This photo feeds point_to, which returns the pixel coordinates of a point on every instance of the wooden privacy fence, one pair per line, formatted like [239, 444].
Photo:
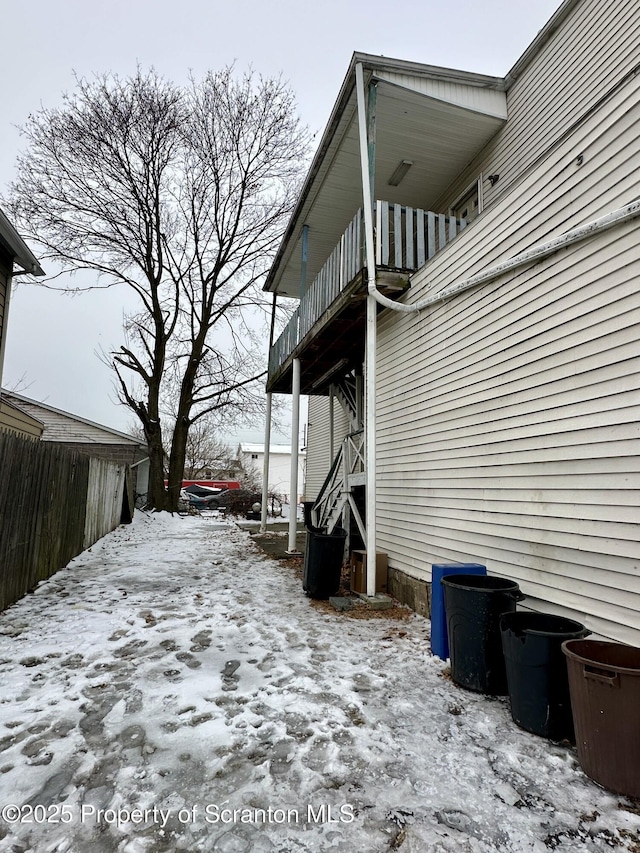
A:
[54, 503]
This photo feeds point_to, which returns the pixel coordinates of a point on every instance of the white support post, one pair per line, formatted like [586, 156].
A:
[265, 466]
[370, 442]
[295, 450]
[332, 449]
[370, 347]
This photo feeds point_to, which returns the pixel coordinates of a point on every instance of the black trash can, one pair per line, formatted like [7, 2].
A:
[323, 559]
[474, 605]
[537, 671]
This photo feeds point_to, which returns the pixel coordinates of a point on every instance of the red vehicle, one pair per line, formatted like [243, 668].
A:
[211, 484]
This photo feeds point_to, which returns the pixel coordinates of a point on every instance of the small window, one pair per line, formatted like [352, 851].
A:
[254, 455]
[469, 204]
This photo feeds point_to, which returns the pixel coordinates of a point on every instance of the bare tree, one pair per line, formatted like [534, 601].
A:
[207, 456]
[180, 194]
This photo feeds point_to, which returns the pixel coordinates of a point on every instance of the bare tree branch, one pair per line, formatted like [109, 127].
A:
[182, 195]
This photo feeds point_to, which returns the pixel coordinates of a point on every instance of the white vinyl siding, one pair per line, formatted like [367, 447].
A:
[508, 417]
[593, 50]
[13, 419]
[473, 97]
[319, 442]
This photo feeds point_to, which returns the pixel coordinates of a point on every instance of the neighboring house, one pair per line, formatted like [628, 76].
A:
[88, 437]
[251, 457]
[501, 417]
[14, 252]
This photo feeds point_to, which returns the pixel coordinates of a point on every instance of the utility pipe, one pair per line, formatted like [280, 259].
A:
[295, 450]
[530, 256]
[370, 348]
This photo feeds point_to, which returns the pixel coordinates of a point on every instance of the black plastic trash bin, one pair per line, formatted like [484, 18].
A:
[474, 604]
[537, 671]
[323, 559]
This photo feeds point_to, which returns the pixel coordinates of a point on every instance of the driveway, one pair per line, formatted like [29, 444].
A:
[172, 689]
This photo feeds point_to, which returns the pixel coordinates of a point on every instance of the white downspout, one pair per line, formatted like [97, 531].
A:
[370, 348]
[295, 450]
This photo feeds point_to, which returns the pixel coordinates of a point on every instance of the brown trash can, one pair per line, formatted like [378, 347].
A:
[604, 683]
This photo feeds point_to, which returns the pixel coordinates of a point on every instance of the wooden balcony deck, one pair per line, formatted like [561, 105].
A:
[326, 331]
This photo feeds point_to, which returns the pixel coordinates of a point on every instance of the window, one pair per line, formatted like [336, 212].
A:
[468, 205]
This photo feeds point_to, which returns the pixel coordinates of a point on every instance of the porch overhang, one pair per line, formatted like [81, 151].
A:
[435, 118]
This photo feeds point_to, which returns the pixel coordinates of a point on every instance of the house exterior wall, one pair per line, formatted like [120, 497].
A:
[319, 442]
[593, 48]
[279, 468]
[508, 415]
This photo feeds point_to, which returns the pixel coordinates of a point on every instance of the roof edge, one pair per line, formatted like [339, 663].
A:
[370, 62]
[22, 253]
[545, 34]
[13, 405]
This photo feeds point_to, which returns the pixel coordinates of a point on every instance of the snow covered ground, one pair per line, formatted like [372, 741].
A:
[173, 690]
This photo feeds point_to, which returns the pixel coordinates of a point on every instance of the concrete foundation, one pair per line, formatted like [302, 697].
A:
[415, 593]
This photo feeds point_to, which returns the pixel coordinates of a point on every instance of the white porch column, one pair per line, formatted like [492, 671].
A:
[367, 136]
[295, 450]
[370, 442]
[332, 449]
[265, 465]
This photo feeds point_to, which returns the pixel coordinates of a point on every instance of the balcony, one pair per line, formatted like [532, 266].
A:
[327, 329]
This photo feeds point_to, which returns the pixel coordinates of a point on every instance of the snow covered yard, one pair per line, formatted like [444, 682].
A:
[173, 689]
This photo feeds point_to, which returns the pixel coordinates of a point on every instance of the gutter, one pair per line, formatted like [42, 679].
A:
[18, 248]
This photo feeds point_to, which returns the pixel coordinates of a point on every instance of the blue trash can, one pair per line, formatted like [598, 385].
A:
[439, 641]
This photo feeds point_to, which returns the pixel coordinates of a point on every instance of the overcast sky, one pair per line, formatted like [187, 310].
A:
[53, 338]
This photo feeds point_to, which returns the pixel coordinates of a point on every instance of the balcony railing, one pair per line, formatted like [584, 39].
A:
[406, 238]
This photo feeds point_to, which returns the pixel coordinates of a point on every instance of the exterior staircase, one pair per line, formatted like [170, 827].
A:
[336, 501]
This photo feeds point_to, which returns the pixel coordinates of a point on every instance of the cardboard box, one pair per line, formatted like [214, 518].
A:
[359, 571]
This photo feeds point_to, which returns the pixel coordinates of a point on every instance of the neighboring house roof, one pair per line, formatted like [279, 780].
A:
[65, 427]
[17, 248]
[13, 419]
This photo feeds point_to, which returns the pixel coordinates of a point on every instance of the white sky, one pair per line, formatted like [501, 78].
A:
[53, 339]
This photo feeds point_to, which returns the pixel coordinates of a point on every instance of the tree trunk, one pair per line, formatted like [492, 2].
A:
[157, 498]
[176, 463]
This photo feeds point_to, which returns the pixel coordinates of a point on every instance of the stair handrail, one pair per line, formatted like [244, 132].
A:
[327, 491]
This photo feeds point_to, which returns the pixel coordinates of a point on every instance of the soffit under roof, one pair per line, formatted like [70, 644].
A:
[440, 125]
